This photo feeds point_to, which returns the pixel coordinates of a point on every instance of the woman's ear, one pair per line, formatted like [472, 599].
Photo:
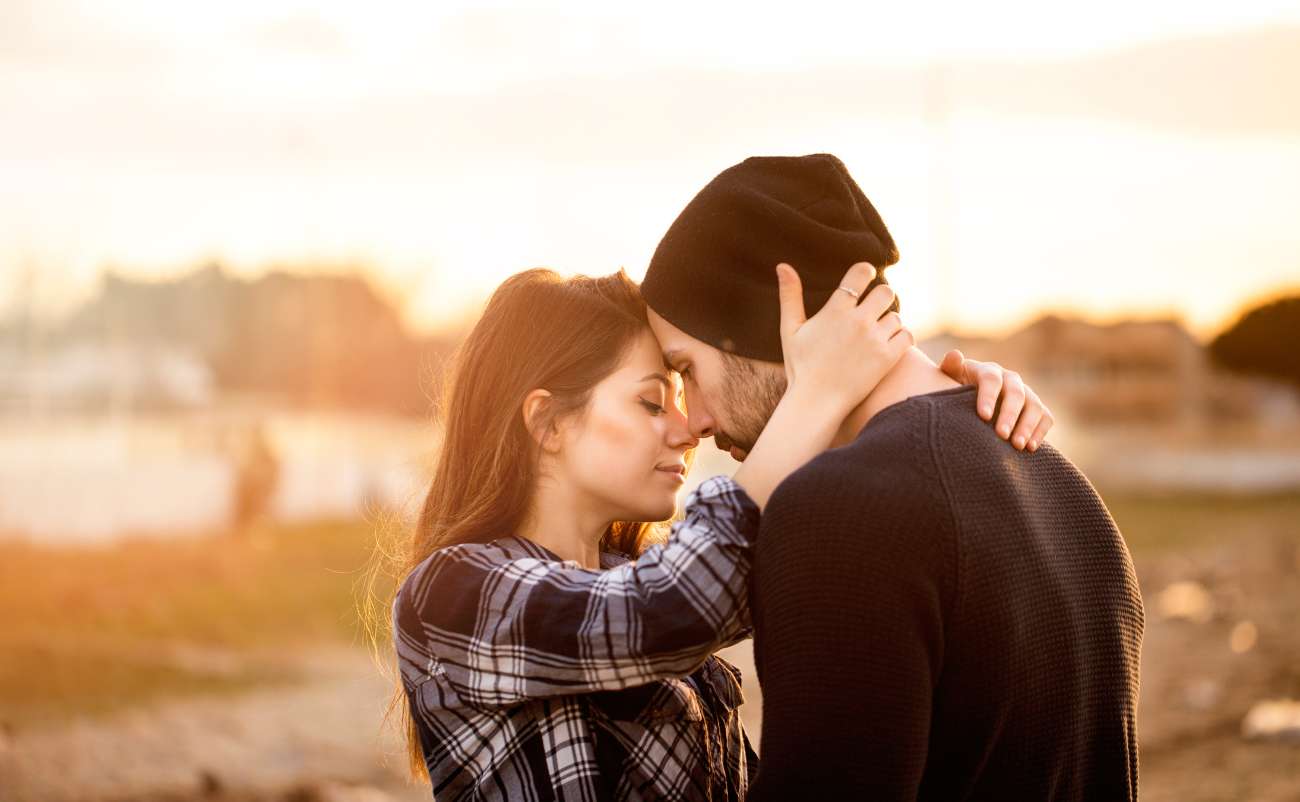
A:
[536, 420]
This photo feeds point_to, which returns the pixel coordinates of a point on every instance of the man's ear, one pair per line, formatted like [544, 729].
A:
[536, 420]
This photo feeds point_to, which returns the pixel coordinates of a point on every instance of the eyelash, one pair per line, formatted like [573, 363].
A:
[652, 406]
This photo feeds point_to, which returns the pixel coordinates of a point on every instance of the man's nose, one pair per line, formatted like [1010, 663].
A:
[700, 423]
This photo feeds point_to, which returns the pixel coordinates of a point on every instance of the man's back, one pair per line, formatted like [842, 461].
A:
[939, 616]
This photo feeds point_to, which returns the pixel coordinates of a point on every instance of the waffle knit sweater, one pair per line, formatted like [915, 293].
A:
[940, 617]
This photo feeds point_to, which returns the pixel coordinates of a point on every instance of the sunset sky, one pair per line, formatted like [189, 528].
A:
[1109, 159]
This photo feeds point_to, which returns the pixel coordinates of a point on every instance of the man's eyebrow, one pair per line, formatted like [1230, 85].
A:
[670, 356]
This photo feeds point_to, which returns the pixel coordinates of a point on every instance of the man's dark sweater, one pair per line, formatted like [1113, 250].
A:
[938, 616]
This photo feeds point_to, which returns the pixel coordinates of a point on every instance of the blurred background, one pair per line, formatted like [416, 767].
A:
[238, 242]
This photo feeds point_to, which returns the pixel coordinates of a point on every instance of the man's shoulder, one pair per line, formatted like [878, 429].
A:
[898, 439]
[878, 503]
[890, 464]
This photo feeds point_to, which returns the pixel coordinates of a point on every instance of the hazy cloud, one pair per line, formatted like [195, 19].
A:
[305, 34]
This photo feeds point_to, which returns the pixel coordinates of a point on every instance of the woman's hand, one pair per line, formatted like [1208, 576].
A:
[1021, 406]
[832, 362]
[843, 352]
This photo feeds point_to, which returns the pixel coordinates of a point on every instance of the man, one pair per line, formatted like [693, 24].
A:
[938, 614]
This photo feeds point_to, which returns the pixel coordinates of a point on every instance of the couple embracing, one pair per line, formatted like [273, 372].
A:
[941, 605]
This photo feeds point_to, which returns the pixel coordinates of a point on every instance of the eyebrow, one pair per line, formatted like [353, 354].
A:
[670, 356]
[658, 377]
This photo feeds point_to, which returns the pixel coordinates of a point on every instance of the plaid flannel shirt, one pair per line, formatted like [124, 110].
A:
[532, 678]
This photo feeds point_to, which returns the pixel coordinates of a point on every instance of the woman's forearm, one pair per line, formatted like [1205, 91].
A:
[502, 629]
[801, 428]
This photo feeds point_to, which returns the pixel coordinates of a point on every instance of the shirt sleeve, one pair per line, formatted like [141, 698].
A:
[500, 628]
[848, 636]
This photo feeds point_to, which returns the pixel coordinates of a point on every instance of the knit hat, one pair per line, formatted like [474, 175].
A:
[714, 273]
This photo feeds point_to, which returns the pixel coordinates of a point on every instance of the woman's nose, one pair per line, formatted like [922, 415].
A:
[679, 434]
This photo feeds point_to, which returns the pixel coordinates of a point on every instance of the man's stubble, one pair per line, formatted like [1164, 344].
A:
[751, 391]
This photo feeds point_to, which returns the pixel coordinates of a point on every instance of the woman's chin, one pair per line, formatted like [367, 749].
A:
[662, 510]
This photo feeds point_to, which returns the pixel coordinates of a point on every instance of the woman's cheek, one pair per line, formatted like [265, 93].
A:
[618, 446]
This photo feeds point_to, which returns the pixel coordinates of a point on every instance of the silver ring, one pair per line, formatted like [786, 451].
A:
[850, 291]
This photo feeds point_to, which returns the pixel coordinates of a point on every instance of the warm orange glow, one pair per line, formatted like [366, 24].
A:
[1019, 165]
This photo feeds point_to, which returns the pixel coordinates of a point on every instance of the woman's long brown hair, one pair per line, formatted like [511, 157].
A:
[539, 330]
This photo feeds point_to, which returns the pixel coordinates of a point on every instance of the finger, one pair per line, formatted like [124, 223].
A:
[858, 277]
[890, 324]
[1028, 421]
[1013, 401]
[790, 292]
[1040, 434]
[877, 302]
[902, 340]
[897, 345]
[989, 378]
[954, 364]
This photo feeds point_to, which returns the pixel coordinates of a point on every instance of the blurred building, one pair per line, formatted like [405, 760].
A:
[1141, 406]
[1147, 373]
[96, 376]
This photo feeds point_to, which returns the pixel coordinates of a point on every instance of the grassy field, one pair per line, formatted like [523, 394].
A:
[89, 630]
[1155, 525]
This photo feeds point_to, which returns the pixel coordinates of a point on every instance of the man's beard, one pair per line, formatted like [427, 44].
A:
[749, 396]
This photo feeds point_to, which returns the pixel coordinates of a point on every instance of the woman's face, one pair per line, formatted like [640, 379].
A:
[628, 449]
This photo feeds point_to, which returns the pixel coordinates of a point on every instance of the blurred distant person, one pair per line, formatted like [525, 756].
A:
[257, 471]
[937, 615]
[553, 641]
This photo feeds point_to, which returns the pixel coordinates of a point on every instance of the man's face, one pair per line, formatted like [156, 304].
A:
[728, 397]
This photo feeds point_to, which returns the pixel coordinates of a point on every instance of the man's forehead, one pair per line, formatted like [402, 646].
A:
[674, 343]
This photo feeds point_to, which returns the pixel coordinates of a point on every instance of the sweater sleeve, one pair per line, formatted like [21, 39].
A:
[854, 569]
[498, 628]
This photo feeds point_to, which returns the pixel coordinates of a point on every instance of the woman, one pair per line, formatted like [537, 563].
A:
[551, 643]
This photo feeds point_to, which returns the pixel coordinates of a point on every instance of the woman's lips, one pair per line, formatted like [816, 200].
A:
[678, 472]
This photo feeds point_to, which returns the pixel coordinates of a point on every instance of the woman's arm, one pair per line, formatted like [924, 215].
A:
[500, 628]
[825, 383]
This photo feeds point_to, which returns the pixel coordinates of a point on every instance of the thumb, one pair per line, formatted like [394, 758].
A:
[790, 291]
[953, 364]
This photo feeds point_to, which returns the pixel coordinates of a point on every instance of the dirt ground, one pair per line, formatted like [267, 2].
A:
[317, 741]
[1222, 590]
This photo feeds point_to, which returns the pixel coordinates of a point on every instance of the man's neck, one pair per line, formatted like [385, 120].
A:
[915, 374]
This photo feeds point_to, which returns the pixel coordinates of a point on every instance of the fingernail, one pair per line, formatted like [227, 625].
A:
[1004, 430]
[1019, 441]
[1033, 445]
[986, 410]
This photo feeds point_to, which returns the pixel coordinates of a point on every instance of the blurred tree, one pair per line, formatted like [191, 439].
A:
[1266, 341]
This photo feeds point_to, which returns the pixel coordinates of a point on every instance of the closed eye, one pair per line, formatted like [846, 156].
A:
[653, 407]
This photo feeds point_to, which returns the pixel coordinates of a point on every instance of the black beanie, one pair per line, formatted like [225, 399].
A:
[714, 273]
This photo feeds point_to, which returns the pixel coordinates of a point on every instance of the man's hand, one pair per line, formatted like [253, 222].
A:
[1024, 418]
